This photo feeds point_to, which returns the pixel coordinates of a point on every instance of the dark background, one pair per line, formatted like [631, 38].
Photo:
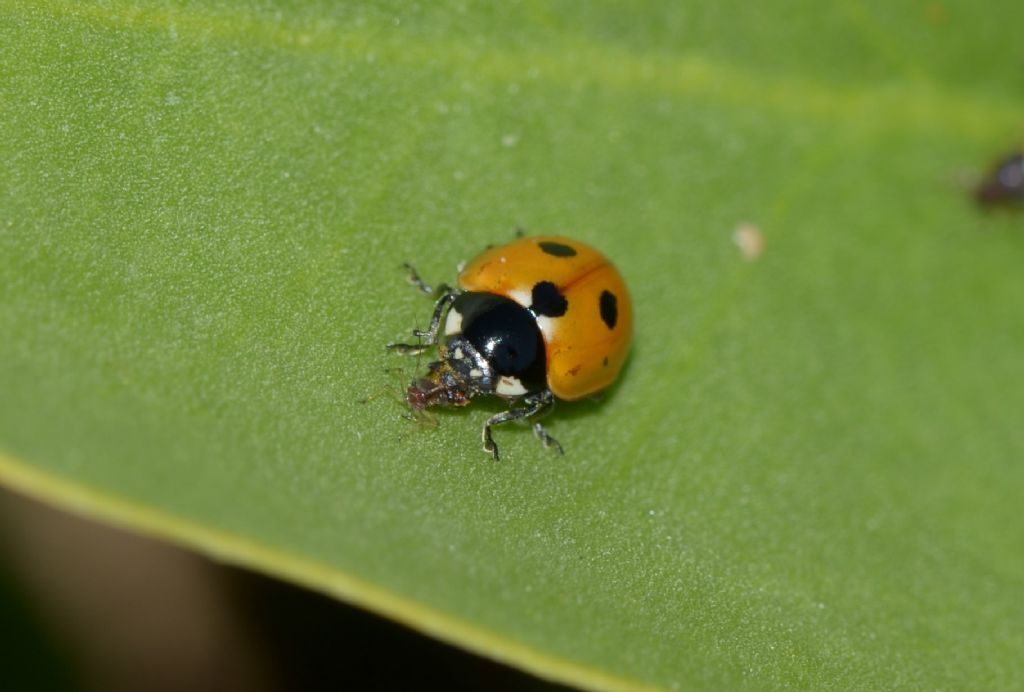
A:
[87, 606]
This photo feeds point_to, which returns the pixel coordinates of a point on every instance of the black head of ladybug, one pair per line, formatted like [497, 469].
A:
[492, 345]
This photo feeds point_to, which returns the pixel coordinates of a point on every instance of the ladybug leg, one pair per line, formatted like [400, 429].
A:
[546, 439]
[535, 405]
[430, 335]
[497, 419]
[423, 286]
[545, 402]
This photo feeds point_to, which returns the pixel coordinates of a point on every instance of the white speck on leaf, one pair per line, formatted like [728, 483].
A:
[749, 240]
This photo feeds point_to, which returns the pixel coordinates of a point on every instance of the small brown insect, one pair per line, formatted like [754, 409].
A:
[1004, 186]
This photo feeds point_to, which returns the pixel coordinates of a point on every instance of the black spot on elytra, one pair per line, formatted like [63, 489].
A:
[609, 308]
[605, 362]
[547, 301]
[557, 249]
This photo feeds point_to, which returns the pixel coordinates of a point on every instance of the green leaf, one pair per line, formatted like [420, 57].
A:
[809, 474]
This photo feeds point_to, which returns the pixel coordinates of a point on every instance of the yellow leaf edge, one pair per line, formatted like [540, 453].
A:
[107, 508]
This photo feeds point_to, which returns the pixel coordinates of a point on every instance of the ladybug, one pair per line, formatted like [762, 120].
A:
[540, 319]
[1005, 184]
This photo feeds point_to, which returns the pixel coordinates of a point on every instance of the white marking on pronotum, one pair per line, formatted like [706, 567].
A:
[547, 326]
[524, 298]
[453, 323]
[510, 386]
[476, 372]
